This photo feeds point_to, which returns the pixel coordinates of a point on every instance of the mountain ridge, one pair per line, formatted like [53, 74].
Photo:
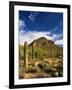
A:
[42, 40]
[44, 48]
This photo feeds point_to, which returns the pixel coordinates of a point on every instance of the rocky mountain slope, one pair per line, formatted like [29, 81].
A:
[44, 48]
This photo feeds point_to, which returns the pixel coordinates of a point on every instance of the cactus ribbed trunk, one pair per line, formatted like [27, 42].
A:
[25, 55]
[53, 51]
[33, 51]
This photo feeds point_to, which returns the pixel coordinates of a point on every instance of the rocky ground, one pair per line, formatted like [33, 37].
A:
[47, 68]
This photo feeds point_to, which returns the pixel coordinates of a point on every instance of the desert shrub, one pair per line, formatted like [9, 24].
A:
[21, 56]
[31, 64]
[41, 65]
[41, 75]
[39, 53]
[54, 74]
[21, 77]
[31, 69]
[60, 71]
[60, 74]
[47, 69]
[57, 74]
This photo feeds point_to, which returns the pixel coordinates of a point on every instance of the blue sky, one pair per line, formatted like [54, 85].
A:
[33, 25]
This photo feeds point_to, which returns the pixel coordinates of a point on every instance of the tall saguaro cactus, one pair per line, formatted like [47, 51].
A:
[25, 55]
[52, 50]
[33, 51]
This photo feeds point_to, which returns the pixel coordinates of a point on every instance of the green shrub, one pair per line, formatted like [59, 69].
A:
[54, 74]
[47, 69]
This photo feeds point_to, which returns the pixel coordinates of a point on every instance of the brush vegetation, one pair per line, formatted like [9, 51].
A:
[45, 59]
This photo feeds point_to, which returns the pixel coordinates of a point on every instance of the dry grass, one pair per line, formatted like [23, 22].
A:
[51, 67]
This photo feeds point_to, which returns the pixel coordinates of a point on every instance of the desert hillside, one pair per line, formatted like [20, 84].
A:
[43, 49]
[44, 59]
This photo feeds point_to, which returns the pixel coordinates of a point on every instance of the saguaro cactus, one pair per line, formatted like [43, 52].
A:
[53, 51]
[25, 55]
[33, 51]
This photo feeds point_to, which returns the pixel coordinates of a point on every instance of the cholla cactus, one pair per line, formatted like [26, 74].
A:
[25, 55]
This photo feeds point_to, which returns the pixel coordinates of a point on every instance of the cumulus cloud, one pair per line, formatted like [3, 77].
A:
[57, 36]
[59, 42]
[22, 25]
[32, 35]
[29, 36]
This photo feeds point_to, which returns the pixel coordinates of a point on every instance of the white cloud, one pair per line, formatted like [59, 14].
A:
[59, 42]
[57, 35]
[30, 36]
[22, 25]
[57, 39]
[54, 35]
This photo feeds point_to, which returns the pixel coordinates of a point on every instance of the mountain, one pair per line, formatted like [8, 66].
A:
[42, 41]
[44, 48]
